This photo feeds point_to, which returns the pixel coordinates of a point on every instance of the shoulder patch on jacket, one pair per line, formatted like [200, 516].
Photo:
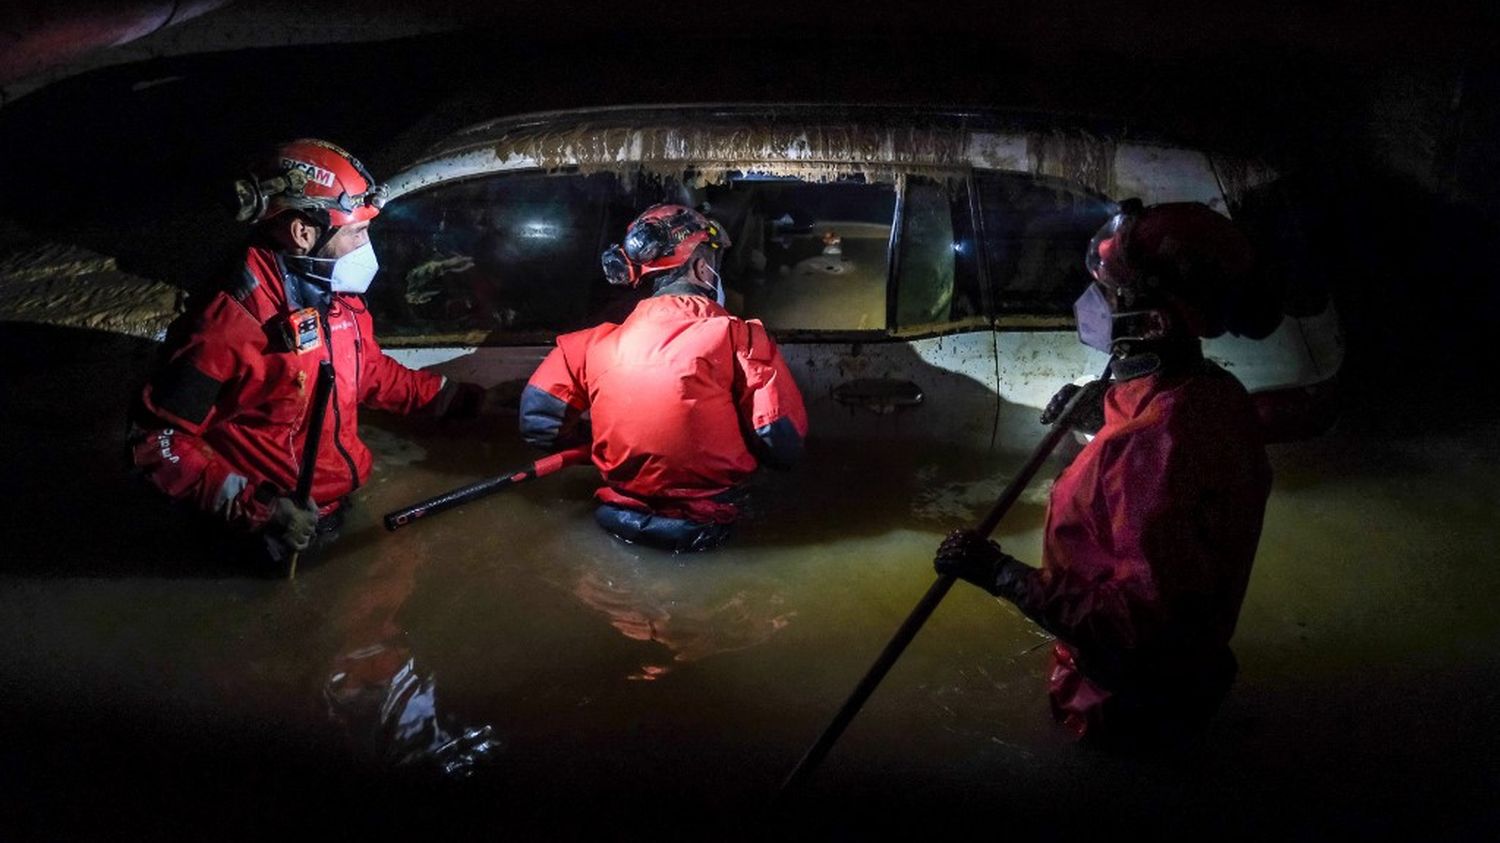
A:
[183, 390]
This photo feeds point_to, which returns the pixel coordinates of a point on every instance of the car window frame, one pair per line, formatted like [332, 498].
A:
[984, 319]
[1018, 320]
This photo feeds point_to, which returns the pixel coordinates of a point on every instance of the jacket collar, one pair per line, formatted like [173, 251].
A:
[1169, 357]
[302, 291]
[683, 287]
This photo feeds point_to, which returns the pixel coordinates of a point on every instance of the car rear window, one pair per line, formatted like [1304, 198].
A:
[516, 255]
[1035, 231]
[509, 254]
[806, 255]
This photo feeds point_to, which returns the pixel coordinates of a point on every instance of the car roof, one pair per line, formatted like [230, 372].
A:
[806, 140]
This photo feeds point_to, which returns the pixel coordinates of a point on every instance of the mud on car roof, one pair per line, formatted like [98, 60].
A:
[827, 142]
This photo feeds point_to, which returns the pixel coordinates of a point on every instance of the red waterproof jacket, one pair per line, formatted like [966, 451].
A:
[1151, 533]
[683, 399]
[226, 414]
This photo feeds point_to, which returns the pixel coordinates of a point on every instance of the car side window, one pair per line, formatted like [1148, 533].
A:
[1035, 231]
[937, 277]
[510, 253]
[806, 255]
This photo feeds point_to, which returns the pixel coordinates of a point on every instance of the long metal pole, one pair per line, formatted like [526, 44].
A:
[929, 602]
[321, 391]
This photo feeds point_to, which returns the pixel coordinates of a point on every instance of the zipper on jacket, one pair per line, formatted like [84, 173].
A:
[359, 355]
[338, 421]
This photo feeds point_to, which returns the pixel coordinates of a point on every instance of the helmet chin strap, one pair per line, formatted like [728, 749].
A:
[718, 283]
[325, 236]
[318, 271]
[305, 263]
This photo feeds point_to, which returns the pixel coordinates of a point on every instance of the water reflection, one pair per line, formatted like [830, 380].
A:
[651, 596]
[380, 694]
[692, 606]
[652, 614]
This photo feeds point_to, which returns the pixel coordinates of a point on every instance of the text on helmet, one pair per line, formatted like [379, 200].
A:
[313, 172]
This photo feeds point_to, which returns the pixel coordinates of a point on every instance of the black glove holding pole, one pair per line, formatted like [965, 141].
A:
[1088, 417]
[967, 555]
[973, 558]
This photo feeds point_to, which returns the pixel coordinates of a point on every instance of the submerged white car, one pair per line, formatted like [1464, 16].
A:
[918, 267]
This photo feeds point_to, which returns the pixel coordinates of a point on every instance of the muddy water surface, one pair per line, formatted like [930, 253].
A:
[508, 664]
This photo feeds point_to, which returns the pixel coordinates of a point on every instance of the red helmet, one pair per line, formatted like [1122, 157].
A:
[314, 177]
[663, 237]
[1186, 255]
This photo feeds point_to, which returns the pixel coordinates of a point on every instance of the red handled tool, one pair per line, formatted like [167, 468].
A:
[474, 491]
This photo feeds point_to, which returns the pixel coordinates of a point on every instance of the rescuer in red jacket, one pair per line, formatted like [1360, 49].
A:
[682, 400]
[1152, 530]
[221, 425]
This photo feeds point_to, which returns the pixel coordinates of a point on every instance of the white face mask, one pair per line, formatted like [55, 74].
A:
[351, 273]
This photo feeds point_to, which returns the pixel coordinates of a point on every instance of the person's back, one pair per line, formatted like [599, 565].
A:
[675, 356]
[682, 401]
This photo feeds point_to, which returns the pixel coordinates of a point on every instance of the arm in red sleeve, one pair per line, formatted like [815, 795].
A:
[188, 395]
[555, 400]
[388, 385]
[1105, 621]
[767, 398]
[184, 468]
[1141, 518]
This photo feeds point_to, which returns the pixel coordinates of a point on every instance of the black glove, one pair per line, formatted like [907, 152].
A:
[457, 401]
[502, 398]
[964, 554]
[292, 525]
[1089, 416]
[968, 556]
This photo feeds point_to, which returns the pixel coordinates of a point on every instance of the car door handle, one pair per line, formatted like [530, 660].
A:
[878, 395]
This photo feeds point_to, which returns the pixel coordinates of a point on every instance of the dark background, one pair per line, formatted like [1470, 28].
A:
[1384, 115]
